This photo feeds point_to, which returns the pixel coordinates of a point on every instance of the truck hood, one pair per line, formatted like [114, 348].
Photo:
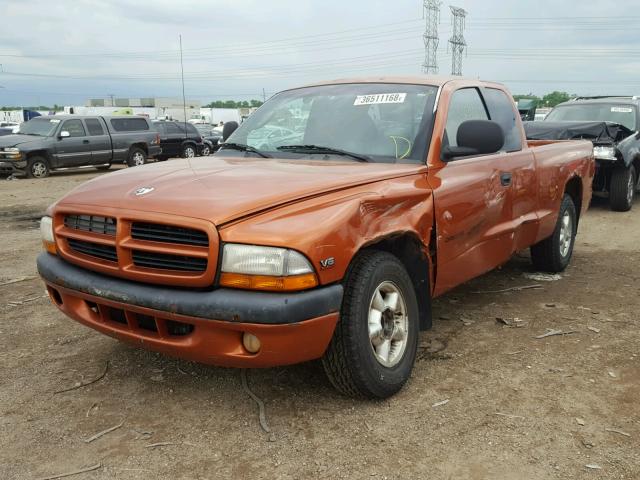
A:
[17, 139]
[222, 189]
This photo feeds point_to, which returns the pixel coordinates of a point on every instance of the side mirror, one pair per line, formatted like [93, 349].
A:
[64, 134]
[476, 137]
[228, 129]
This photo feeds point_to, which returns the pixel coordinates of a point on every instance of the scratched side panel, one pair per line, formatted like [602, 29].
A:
[339, 224]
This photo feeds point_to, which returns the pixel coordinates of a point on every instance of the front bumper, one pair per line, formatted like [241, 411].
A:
[12, 166]
[202, 326]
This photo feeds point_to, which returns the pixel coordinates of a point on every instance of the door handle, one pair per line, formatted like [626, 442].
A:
[505, 179]
[85, 141]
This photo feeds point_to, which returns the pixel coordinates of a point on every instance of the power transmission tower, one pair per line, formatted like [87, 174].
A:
[457, 43]
[431, 39]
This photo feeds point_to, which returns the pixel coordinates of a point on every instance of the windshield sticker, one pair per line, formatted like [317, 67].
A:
[621, 110]
[54, 120]
[380, 98]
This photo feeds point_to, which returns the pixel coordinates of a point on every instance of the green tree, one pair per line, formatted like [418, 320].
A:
[554, 98]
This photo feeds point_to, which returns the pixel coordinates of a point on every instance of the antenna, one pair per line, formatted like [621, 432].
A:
[457, 42]
[184, 101]
[431, 39]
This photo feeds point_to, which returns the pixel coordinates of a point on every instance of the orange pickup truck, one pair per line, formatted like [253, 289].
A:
[322, 228]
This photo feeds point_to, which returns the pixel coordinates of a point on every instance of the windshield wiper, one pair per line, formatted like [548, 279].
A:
[245, 148]
[327, 150]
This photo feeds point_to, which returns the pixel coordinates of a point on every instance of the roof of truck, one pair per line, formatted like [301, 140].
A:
[432, 80]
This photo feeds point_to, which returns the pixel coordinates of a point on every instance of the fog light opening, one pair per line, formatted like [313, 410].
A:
[251, 342]
[55, 296]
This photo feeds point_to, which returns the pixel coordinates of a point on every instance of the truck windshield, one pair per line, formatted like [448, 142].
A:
[42, 126]
[382, 122]
[595, 112]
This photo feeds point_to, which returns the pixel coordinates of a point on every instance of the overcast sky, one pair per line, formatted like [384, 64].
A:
[66, 51]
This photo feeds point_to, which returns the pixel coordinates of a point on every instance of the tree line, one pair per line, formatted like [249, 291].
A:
[549, 100]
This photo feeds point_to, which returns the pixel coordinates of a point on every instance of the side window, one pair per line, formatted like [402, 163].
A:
[160, 127]
[94, 126]
[465, 104]
[172, 128]
[502, 111]
[192, 130]
[74, 127]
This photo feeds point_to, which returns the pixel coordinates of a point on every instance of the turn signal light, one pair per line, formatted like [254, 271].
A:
[50, 247]
[268, 283]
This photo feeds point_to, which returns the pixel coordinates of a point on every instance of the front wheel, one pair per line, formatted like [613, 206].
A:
[189, 151]
[553, 254]
[137, 157]
[206, 151]
[622, 188]
[374, 346]
[38, 167]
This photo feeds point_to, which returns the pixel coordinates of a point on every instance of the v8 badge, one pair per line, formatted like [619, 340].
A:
[327, 263]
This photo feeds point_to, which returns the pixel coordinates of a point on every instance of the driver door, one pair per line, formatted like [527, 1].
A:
[471, 203]
[74, 150]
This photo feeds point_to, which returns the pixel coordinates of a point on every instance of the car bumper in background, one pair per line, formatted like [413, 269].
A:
[202, 326]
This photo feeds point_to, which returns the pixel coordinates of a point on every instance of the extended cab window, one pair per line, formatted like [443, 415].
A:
[502, 111]
[94, 126]
[74, 127]
[132, 124]
[465, 104]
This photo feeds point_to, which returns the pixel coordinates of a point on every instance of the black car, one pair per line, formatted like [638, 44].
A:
[178, 139]
[214, 137]
[60, 142]
[612, 124]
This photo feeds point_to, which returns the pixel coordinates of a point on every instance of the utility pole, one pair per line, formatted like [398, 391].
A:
[457, 42]
[111, 95]
[264, 96]
[431, 39]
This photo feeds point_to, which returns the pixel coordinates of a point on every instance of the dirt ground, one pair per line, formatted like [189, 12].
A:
[517, 407]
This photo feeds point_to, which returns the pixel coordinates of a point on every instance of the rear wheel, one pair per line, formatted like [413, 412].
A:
[189, 151]
[374, 346]
[554, 253]
[622, 188]
[38, 167]
[137, 157]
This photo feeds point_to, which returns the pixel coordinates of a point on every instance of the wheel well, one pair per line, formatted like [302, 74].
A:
[141, 146]
[410, 251]
[574, 190]
[39, 153]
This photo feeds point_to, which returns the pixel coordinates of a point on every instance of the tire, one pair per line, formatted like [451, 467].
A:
[137, 157]
[554, 253]
[104, 167]
[188, 151]
[352, 363]
[622, 189]
[206, 151]
[38, 167]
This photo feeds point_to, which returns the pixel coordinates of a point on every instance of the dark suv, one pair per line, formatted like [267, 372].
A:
[178, 139]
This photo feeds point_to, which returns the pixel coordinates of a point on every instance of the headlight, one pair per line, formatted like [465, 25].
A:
[265, 268]
[12, 150]
[46, 231]
[604, 153]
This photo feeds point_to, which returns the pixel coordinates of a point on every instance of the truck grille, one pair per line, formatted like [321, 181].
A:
[182, 251]
[168, 233]
[104, 252]
[91, 223]
[169, 262]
